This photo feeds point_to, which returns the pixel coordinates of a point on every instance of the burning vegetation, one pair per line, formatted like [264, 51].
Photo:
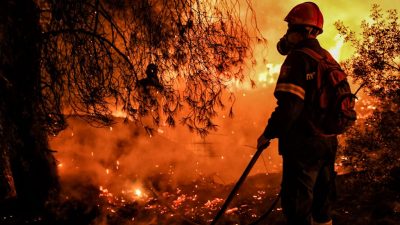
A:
[159, 201]
[137, 69]
[149, 59]
[156, 180]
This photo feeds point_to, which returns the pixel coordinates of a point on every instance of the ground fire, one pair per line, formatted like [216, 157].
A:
[123, 172]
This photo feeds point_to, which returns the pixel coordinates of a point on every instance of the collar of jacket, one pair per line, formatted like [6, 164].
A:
[309, 43]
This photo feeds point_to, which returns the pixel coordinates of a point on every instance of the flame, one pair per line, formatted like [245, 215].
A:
[119, 113]
[138, 192]
[336, 50]
[264, 78]
[269, 76]
[120, 188]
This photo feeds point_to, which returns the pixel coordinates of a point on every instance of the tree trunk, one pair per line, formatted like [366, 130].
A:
[27, 168]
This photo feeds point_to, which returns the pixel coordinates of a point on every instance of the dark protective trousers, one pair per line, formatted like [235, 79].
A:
[308, 188]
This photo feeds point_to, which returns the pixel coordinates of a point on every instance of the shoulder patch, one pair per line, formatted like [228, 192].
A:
[310, 76]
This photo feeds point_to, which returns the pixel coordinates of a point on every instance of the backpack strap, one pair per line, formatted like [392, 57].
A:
[318, 58]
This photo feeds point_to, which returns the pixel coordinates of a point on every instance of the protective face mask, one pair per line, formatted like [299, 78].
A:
[284, 46]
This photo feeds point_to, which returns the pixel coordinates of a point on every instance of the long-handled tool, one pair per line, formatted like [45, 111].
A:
[238, 184]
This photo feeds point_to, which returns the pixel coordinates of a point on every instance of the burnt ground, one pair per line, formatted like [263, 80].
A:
[361, 201]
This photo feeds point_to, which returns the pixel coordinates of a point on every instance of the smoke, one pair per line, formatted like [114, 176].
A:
[126, 152]
[122, 164]
[122, 157]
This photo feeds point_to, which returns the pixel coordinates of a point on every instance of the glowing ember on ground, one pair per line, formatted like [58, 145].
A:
[138, 192]
[157, 199]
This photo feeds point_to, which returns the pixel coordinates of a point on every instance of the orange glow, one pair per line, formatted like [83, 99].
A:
[138, 192]
[336, 50]
[117, 157]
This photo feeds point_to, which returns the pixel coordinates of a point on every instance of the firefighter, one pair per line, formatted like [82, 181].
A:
[308, 179]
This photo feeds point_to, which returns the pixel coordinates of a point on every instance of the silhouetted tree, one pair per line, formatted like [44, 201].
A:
[27, 167]
[95, 53]
[148, 58]
[374, 144]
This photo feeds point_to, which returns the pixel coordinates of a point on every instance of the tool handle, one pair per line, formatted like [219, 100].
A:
[237, 185]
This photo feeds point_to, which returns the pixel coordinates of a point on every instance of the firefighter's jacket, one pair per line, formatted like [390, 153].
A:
[289, 122]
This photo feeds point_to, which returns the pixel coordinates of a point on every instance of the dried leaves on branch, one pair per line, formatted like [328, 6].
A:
[374, 145]
[149, 59]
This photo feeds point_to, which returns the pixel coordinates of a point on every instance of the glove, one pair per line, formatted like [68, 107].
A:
[263, 142]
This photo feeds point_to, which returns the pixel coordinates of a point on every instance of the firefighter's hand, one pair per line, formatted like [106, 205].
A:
[262, 142]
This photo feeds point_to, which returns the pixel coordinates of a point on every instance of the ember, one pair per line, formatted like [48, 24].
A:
[160, 198]
[174, 177]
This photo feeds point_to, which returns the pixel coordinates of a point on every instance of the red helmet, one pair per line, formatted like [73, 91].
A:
[306, 13]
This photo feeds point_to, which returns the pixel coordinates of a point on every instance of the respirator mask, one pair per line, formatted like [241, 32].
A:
[298, 33]
[284, 46]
